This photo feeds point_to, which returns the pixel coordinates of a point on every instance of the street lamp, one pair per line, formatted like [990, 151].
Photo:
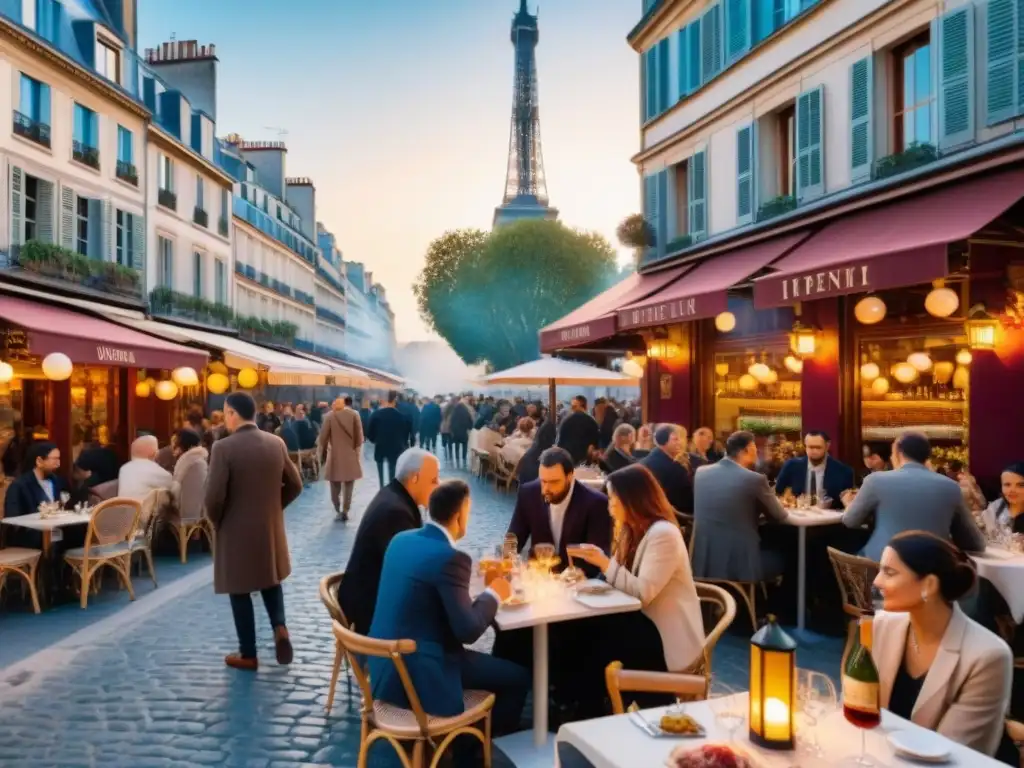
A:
[981, 328]
[803, 340]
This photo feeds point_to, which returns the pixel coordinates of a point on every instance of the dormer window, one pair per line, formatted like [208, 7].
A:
[108, 60]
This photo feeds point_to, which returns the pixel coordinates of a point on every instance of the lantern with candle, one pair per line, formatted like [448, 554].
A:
[772, 687]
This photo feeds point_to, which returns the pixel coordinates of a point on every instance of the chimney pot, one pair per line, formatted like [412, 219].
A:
[211, 49]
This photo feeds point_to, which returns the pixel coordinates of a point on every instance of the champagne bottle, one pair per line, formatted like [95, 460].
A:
[860, 680]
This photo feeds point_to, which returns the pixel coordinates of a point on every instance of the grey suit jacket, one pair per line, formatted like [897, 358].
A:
[728, 501]
[912, 498]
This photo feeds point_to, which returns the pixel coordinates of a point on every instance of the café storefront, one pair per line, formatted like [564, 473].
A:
[897, 313]
[72, 378]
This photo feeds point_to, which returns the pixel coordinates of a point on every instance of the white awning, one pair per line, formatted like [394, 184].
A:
[344, 375]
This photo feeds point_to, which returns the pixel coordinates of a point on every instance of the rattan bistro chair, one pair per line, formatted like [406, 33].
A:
[108, 542]
[329, 585]
[855, 575]
[683, 686]
[747, 590]
[718, 608]
[22, 563]
[397, 725]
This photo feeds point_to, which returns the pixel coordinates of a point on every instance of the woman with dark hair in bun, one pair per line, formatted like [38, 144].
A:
[936, 666]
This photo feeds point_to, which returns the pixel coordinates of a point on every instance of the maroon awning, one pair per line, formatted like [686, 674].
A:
[893, 245]
[704, 292]
[595, 320]
[87, 339]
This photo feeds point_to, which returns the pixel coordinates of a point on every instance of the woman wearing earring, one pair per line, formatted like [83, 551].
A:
[937, 667]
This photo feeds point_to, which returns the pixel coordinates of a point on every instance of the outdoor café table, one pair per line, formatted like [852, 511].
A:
[48, 526]
[561, 606]
[1005, 569]
[616, 742]
[802, 519]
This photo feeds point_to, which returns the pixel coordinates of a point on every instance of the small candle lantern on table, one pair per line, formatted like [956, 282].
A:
[772, 687]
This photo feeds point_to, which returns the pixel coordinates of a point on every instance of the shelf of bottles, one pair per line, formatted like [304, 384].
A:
[758, 390]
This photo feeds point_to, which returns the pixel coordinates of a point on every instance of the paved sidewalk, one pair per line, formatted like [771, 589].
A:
[143, 684]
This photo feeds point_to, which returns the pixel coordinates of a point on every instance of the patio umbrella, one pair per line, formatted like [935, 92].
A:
[554, 371]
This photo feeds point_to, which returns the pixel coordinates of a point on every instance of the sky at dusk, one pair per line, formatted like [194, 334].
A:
[399, 111]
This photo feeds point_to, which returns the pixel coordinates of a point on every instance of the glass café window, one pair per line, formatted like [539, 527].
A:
[913, 93]
[94, 398]
[916, 383]
[758, 389]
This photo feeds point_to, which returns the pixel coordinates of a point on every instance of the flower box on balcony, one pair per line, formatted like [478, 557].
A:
[200, 217]
[127, 172]
[167, 199]
[86, 155]
[50, 260]
[30, 129]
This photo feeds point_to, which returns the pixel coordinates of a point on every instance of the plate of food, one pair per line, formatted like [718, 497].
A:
[710, 756]
[672, 725]
[516, 601]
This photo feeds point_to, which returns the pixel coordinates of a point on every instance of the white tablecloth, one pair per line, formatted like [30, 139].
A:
[1005, 570]
[614, 742]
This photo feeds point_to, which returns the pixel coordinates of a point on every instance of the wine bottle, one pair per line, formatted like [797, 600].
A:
[860, 680]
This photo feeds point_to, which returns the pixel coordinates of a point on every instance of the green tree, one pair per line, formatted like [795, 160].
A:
[489, 294]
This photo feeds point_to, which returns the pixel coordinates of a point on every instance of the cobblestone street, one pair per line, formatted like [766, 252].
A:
[143, 684]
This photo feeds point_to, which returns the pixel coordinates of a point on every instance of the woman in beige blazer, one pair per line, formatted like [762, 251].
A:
[649, 561]
[937, 667]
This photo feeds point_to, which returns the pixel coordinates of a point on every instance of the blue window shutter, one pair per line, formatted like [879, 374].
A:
[1000, 60]
[809, 132]
[651, 207]
[663, 76]
[956, 72]
[643, 91]
[651, 82]
[737, 28]
[711, 42]
[693, 51]
[682, 72]
[746, 149]
[671, 219]
[662, 230]
[697, 193]
[862, 92]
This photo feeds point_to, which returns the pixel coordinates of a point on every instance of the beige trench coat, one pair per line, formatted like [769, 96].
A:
[343, 432]
[251, 481]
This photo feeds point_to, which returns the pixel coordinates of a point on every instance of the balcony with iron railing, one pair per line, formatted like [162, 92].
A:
[167, 303]
[167, 199]
[31, 129]
[200, 217]
[323, 313]
[127, 172]
[84, 154]
[277, 230]
[331, 280]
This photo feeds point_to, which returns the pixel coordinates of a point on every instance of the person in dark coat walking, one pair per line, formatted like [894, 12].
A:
[394, 509]
[388, 430]
[578, 432]
[460, 424]
[430, 424]
[408, 408]
[250, 482]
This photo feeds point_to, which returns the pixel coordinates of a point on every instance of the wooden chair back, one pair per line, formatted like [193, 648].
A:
[329, 585]
[718, 609]
[855, 575]
[112, 522]
[682, 685]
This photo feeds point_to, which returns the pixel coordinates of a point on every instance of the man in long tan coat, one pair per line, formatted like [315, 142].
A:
[342, 432]
[251, 481]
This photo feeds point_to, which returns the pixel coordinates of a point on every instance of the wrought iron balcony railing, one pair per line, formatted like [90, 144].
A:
[127, 172]
[222, 226]
[167, 199]
[85, 154]
[201, 217]
[30, 129]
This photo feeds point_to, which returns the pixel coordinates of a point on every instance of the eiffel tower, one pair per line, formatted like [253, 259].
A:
[526, 191]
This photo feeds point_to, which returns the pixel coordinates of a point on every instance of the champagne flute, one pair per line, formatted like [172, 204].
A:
[817, 696]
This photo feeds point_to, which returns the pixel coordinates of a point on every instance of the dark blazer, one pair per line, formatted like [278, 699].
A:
[577, 433]
[614, 459]
[389, 432]
[25, 494]
[460, 422]
[838, 478]
[430, 419]
[529, 465]
[390, 512]
[673, 478]
[424, 590]
[587, 520]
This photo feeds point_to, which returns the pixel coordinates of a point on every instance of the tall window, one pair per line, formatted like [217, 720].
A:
[31, 207]
[200, 193]
[220, 276]
[165, 249]
[913, 91]
[108, 61]
[787, 151]
[86, 127]
[34, 100]
[47, 19]
[165, 168]
[82, 225]
[197, 273]
[124, 244]
[125, 149]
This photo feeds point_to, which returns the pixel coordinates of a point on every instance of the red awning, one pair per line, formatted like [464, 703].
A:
[87, 339]
[595, 320]
[893, 245]
[704, 291]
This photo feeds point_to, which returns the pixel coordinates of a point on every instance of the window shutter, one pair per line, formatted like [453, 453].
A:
[67, 217]
[663, 229]
[651, 68]
[711, 43]
[96, 234]
[746, 150]
[44, 103]
[108, 232]
[663, 76]
[697, 190]
[956, 68]
[651, 212]
[1000, 61]
[809, 132]
[138, 242]
[643, 97]
[737, 28]
[693, 51]
[682, 67]
[861, 127]
[44, 213]
[17, 219]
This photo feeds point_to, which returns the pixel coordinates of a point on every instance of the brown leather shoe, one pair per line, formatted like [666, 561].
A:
[283, 646]
[237, 661]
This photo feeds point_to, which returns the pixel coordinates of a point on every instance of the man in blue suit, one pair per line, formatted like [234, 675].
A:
[817, 473]
[424, 596]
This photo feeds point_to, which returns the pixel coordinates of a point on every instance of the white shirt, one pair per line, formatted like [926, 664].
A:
[451, 540]
[558, 515]
[819, 481]
[140, 476]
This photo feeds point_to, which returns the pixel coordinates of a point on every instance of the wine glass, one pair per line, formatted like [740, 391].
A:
[817, 696]
[545, 554]
[65, 497]
[729, 708]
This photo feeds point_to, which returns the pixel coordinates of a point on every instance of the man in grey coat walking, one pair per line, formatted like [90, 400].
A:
[251, 481]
